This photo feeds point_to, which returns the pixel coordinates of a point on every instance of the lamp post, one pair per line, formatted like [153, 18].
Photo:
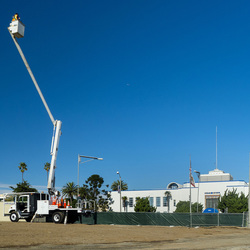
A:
[79, 162]
[198, 174]
[120, 191]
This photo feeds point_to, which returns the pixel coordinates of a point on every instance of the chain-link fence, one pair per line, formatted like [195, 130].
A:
[167, 219]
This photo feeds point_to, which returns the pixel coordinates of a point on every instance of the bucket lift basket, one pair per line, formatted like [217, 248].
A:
[17, 28]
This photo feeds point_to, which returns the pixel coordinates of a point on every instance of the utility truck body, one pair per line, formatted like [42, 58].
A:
[31, 205]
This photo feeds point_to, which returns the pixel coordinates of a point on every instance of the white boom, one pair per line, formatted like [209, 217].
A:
[54, 149]
[16, 29]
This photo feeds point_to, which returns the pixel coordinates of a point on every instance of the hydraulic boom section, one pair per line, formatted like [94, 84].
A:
[16, 30]
[54, 149]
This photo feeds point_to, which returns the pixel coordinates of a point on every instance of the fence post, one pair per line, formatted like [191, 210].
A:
[218, 218]
[243, 217]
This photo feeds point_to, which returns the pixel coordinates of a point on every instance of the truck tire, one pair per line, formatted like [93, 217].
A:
[58, 217]
[14, 217]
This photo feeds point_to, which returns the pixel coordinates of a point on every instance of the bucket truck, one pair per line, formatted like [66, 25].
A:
[28, 205]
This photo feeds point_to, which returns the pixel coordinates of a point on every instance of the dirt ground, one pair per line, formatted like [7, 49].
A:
[78, 236]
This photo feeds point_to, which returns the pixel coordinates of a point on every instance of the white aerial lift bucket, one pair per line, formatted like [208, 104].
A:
[17, 28]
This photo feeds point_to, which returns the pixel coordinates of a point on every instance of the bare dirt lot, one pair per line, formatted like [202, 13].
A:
[77, 236]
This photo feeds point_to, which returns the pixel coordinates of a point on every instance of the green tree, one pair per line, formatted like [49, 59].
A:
[169, 196]
[23, 167]
[103, 201]
[94, 191]
[69, 190]
[233, 202]
[143, 205]
[84, 192]
[124, 202]
[116, 184]
[47, 168]
[194, 207]
[184, 207]
[23, 187]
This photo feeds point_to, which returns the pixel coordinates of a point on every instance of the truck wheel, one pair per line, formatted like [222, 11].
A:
[14, 217]
[58, 217]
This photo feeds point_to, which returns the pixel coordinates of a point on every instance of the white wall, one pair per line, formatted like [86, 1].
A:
[181, 194]
[6, 208]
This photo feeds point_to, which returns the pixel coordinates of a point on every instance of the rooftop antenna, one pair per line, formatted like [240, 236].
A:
[216, 149]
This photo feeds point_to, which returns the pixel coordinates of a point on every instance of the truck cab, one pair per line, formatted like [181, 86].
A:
[25, 205]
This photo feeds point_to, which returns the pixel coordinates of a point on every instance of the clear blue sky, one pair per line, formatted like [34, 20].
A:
[142, 84]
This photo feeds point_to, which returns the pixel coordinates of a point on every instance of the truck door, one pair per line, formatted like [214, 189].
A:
[23, 203]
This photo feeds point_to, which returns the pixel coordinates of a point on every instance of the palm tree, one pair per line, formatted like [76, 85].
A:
[22, 167]
[169, 196]
[114, 186]
[23, 187]
[70, 190]
[84, 192]
[124, 200]
[47, 168]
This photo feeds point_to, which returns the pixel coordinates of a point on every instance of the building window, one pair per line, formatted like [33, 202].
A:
[165, 201]
[151, 201]
[131, 202]
[212, 201]
[158, 201]
[174, 202]
[173, 186]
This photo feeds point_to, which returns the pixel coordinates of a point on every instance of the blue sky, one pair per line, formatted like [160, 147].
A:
[142, 84]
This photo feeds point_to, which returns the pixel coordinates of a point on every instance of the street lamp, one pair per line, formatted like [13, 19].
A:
[120, 191]
[198, 174]
[79, 162]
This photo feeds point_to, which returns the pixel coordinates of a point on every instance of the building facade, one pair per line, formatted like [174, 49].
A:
[207, 192]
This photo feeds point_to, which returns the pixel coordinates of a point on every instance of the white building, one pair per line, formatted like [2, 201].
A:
[207, 192]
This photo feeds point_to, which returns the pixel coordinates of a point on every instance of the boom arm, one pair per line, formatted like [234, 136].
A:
[32, 77]
[57, 124]
[54, 149]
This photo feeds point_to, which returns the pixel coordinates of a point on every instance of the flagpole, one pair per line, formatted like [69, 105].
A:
[249, 194]
[216, 150]
[190, 207]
